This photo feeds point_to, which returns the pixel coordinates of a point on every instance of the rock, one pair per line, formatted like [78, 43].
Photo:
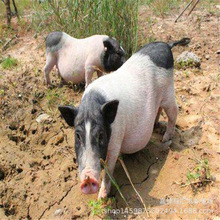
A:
[187, 59]
[218, 51]
[58, 212]
[43, 118]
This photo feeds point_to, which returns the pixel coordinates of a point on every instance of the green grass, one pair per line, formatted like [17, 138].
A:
[81, 19]
[162, 7]
[100, 207]
[9, 63]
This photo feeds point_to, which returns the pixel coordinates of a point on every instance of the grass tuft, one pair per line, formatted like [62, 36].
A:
[9, 63]
[82, 19]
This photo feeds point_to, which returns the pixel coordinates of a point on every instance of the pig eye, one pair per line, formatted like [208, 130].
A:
[78, 137]
[101, 137]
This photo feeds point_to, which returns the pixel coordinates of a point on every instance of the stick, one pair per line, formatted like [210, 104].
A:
[126, 171]
[113, 180]
[183, 11]
[193, 7]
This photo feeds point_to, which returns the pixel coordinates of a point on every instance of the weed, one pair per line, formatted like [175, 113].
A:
[85, 18]
[2, 92]
[101, 207]
[199, 176]
[9, 63]
[162, 7]
[112, 179]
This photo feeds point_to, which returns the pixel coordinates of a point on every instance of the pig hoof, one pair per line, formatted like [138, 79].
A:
[166, 144]
[166, 137]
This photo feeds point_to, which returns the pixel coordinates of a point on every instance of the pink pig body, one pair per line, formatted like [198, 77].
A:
[77, 59]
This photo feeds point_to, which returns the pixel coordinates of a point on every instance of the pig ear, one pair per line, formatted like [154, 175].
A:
[109, 110]
[69, 113]
[107, 44]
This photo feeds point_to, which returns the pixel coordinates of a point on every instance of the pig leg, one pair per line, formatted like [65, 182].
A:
[50, 62]
[171, 111]
[158, 116]
[106, 182]
[88, 75]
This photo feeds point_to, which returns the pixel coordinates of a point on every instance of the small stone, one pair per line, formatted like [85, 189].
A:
[78, 208]
[19, 96]
[44, 118]
[212, 178]
[176, 156]
[59, 139]
[207, 57]
[58, 212]
[218, 51]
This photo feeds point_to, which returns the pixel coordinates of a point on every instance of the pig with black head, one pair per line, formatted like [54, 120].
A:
[118, 112]
[77, 59]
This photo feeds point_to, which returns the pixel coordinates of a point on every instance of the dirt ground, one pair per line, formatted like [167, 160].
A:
[38, 169]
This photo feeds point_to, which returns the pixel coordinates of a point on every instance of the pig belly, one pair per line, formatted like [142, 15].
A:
[137, 139]
[71, 70]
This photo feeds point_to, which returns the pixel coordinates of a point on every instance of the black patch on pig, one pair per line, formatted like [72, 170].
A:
[160, 53]
[53, 38]
[100, 113]
[114, 56]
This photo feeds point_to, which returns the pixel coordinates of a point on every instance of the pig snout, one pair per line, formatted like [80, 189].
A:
[89, 181]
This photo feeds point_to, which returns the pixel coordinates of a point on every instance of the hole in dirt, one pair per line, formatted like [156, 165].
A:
[2, 174]
[46, 157]
[34, 131]
[19, 170]
[43, 142]
[9, 209]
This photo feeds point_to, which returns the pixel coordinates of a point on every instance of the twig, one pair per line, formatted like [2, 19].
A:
[113, 180]
[193, 7]
[126, 171]
[183, 11]
[7, 43]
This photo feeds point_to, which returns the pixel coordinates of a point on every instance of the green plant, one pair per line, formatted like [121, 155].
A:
[200, 172]
[101, 206]
[85, 18]
[9, 63]
[112, 179]
[161, 7]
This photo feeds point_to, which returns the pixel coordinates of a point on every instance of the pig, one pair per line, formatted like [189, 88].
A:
[118, 112]
[77, 59]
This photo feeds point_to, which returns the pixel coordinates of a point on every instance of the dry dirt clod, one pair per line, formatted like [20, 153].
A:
[43, 118]
[58, 212]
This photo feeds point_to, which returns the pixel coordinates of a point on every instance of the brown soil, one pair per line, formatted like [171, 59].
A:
[38, 169]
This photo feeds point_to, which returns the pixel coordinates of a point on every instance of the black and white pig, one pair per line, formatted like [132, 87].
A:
[118, 112]
[77, 59]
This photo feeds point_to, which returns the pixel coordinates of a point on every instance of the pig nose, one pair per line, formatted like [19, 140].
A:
[89, 186]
